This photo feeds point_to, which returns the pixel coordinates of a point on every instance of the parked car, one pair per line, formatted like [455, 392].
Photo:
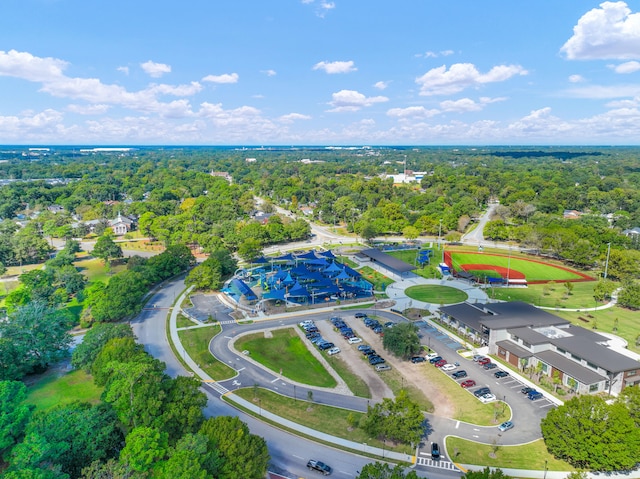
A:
[435, 451]
[360, 315]
[535, 395]
[418, 359]
[354, 340]
[325, 346]
[490, 366]
[319, 466]
[440, 363]
[430, 356]
[448, 367]
[373, 360]
[459, 374]
[526, 390]
[485, 398]
[333, 351]
[481, 391]
[435, 359]
[484, 361]
[477, 357]
[505, 426]
[389, 324]
[501, 374]
[469, 383]
[382, 367]
[363, 347]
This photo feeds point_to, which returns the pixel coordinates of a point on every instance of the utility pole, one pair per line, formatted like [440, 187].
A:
[606, 264]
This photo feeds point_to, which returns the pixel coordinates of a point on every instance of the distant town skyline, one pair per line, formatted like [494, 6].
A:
[319, 72]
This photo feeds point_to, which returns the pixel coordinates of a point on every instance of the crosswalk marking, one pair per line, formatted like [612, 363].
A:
[440, 464]
[216, 386]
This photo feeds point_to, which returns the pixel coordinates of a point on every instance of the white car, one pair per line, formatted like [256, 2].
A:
[354, 340]
[448, 367]
[333, 351]
[430, 356]
[487, 398]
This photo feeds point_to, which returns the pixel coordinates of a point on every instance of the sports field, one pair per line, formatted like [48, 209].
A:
[516, 267]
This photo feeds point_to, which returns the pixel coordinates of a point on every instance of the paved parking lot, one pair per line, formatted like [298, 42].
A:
[205, 305]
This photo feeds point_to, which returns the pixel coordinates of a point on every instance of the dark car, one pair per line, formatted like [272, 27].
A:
[373, 360]
[435, 450]
[324, 346]
[481, 392]
[526, 390]
[319, 466]
[364, 347]
[459, 374]
[490, 366]
[360, 315]
[418, 359]
[535, 395]
[501, 374]
[435, 360]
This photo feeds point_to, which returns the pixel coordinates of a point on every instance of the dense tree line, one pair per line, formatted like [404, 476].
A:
[589, 433]
[399, 421]
[148, 425]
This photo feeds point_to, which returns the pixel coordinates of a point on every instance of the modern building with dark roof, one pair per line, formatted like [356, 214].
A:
[525, 336]
[394, 264]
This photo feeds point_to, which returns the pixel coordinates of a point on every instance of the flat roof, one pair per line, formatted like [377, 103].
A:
[518, 314]
[514, 348]
[387, 260]
[465, 313]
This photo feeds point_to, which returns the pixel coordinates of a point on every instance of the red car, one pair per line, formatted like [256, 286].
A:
[440, 363]
[484, 361]
[469, 383]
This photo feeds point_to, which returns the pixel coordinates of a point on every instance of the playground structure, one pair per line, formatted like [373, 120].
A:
[305, 279]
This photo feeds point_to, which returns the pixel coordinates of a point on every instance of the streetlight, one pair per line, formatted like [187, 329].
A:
[295, 399]
[439, 234]
[606, 264]
[545, 469]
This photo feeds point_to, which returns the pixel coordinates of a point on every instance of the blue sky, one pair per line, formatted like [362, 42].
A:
[319, 72]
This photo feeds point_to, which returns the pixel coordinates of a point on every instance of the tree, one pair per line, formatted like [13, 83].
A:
[105, 249]
[181, 411]
[206, 276]
[400, 420]
[190, 459]
[120, 298]
[402, 340]
[241, 453]
[486, 473]
[630, 296]
[379, 470]
[590, 434]
[71, 436]
[410, 232]
[94, 340]
[144, 446]
[38, 334]
[14, 415]
[250, 248]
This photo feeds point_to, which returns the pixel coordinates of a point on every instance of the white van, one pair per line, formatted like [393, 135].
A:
[382, 367]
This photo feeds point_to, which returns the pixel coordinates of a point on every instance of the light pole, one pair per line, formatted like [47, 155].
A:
[508, 266]
[439, 234]
[606, 264]
[295, 399]
[545, 469]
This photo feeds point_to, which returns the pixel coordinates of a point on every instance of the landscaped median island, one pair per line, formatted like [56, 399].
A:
[196, 342]
[283, 351]
[436, 294]
[337, 422]
[531, 456]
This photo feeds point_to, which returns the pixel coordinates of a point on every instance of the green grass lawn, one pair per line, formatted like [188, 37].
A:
[552, 295]
[429, 271]
[464, 404]
[356, 384]
[436, 294]
[196, 343]
[286, 352]
[52, 389]
[183, 322]
[379, 281]
[327, 419]
[528, 456]
[95, 270]
[533, 271]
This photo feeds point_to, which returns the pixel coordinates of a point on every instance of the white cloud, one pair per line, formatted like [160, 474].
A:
[335, 67]
[381, 85]
[351, 100]
[26, 66]
[224, 78]
[430, 54]
[440, 81]
[291, 117]
[269, 73]
[576, 78]
[627, 67]
[155, 70]
[608, 32]
[615, 104]
[124, 70]
[467, 104]
[176, 90]
[412, 112]
[97, 109]
[321, 8]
